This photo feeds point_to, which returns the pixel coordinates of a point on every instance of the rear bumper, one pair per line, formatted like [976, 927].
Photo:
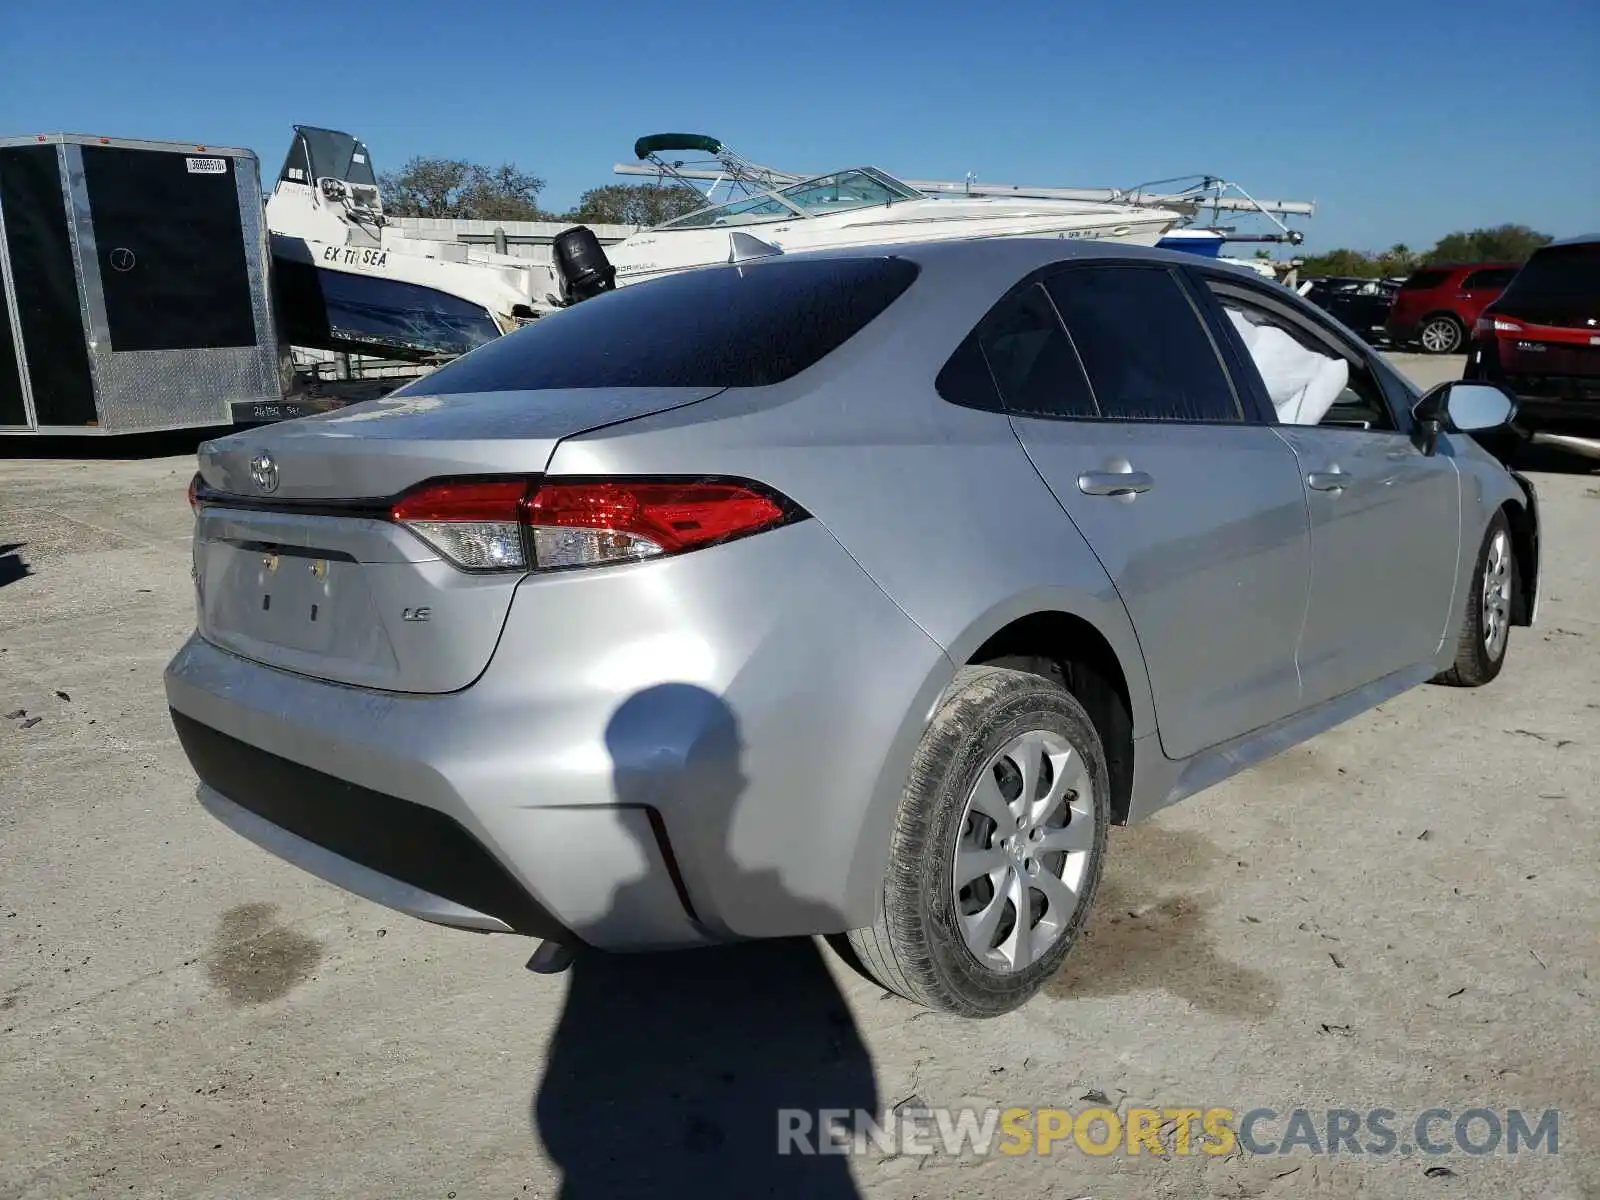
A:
[1553, 401]
[404, 855]
[672, 753]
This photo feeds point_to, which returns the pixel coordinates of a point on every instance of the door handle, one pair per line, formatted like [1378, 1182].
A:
[1327, 481]
[1114, 483]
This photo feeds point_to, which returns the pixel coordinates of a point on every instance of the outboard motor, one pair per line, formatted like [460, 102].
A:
[581, 263]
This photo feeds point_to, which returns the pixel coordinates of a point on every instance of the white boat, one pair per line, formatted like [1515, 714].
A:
[345, 280]
[1261, 266]
[1193, 197]
[853, 207]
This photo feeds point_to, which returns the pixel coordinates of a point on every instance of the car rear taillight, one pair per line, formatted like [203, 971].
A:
[512, 525]
[194, 493]
[475, 524]
[1495, 325]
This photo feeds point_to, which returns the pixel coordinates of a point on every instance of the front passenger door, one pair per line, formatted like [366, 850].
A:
[1195, 512]
[1384, 516]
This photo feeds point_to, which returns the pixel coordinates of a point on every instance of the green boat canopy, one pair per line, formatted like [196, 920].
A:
[646, 146]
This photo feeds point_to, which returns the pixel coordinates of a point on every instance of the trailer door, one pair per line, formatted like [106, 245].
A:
[13, 408]
[171, 249]
[45, 282]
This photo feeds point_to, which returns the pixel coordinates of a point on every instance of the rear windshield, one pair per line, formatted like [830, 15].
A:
[733, 326]
[1560, 276]
[1422, 280]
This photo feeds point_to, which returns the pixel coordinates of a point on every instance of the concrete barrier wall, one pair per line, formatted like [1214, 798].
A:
[523, 239]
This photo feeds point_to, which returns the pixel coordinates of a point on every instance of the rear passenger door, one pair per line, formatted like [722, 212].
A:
[1480, 289]
[1114, 387]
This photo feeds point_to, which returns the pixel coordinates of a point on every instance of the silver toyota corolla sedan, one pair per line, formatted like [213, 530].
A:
[845, 593]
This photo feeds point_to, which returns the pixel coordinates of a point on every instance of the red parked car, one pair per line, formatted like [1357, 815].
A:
[1438, 305]
[1541, 338]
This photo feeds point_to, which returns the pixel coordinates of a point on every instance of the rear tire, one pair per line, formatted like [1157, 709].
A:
[1486, 623]
[967, 814]
[1441, 334]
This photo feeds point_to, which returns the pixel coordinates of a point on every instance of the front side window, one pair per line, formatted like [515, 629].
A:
[1308, 382]
[1147, 353]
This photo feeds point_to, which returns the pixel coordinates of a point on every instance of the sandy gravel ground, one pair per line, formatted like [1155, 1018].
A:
[1401, 914]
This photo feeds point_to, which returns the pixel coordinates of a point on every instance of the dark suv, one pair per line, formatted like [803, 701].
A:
[1362, 304]
[1541, 338]
[1438, 305]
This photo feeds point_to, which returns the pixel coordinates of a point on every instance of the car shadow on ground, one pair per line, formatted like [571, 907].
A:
[1523, 450]
[668, 1073]
[12, 565]
[125, 446]
[1554, 460]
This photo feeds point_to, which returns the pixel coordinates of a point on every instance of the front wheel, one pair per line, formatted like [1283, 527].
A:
[1486, 624]
[997, 847]
[1441, 335]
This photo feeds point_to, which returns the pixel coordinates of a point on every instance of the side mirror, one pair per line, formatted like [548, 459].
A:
[1462, 406]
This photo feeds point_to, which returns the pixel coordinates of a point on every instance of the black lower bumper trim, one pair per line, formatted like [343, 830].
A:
[410, 842]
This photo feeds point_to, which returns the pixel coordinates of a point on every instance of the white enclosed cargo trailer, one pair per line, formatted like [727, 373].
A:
[136, 291]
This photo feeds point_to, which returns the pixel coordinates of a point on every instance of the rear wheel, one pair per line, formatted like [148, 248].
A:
[997, 847]
[1441, 334]
[1486, 624]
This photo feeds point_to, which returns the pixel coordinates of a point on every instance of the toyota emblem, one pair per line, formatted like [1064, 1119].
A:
[122, 259]
[264, 472]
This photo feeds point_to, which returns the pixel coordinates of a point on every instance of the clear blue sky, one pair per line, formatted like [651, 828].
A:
[1403, 120]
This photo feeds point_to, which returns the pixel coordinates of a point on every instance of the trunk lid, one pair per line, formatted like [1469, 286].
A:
[378, 449]
[298, 566]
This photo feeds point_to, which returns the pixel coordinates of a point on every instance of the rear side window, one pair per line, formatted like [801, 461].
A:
[1018, 360]
[1421, 281]
[1032, 360]
[1147, 354]
[965, 378]
[735, 326]
[1489, 277]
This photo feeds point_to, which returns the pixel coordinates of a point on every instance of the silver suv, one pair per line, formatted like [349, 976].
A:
[840, 593]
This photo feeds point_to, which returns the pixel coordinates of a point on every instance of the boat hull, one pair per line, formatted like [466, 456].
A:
[1203, 242]
[361, 301]
[657, 252]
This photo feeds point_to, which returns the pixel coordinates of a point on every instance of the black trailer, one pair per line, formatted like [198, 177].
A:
[135, 292]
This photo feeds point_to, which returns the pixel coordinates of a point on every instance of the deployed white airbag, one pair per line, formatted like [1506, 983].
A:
[1302, 383]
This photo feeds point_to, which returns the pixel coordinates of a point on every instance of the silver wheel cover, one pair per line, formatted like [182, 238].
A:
[1496, 599]
[1022, 854]
[1439, 336]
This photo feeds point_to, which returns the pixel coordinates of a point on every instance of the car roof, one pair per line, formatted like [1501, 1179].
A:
[1582, 239]
[1473, 266]
[1023, 254]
